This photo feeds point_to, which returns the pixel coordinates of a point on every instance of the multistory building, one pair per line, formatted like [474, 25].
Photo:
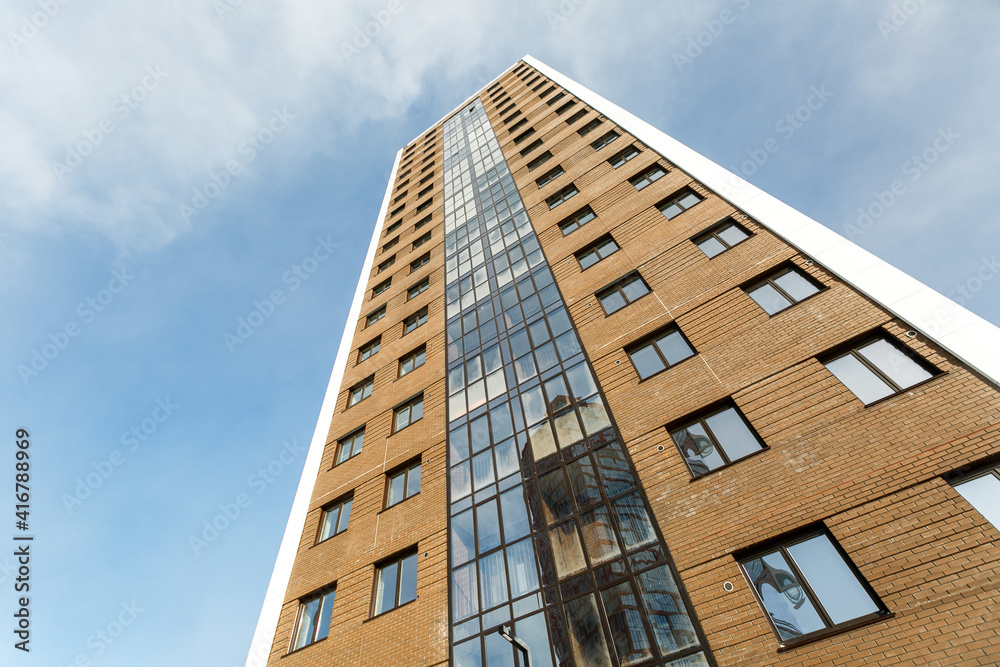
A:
[605, 394]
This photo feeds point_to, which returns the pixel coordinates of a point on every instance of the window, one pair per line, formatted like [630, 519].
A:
[422, 240]
[349, 446]
[532, 146]
[538, 87]
[415, 320]
[429, 157]
[504, 111]
[516, 126]
[589, 127]
[721, 238]
[550, 176]
[401, 185]
[374, 316]
[604, 141]
[623, 157]
[400, 197]
[807, 586]
[524, 135]
[418, 289]
[403, 484]
[334, 519]
[566, 107]
[386, 264]
[577, 220]
[421, 223]
[558, 198]
[369, 349]
[396, 584]
[648, 177]
[381, 287]
[425, 191]
[878, 368]
[596, 252]
[390, 244]
[539, 161]
[511, 117]
[663, 350]
[425, 205]
[577, 116]
[547, 91]
[313, 621]
[407, 413]
[393, 227]
[412, 361]
[420, 262]
[782, 289]
[555, 99]
[622, 293]
[426, 178]
[397, 210]
[982, 491]
[426, 167]
[361, 391]
[678, 204]
[715, 440]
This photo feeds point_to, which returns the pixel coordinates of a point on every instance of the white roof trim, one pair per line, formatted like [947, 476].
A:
[267, 624]
[964, 334]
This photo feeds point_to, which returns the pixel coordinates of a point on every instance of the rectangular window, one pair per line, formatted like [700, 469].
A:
[375, 316]
[425, 191]
[400, 197]
[661, 351]
[604, 141]
[715, 439]
[425, 205]
[412, 361]
[421, 223]
[313, 621]
[596, 251]
[407, 413]
[350, 446]
[781, 290]
[389, 244]
[589, 127]
[415, 320]
[516, 126]
[420, 262]
[622, 293]
[624, 156]
[368, 350]
[418, 289]
[422, 240]
[402, 484]
[511, 117]
[560, 197]
[400, 186]
[539, 161]
[547, 91]
[577, 220]
[395, 584]
[556, 98]
[550, 176]
[429, 157]
[532, 146]
[566, 107]
[361, 391]
[426, 167]
[577, 116]
[386, 264]
[982, 491]
[807, 587]
[426, 178]
[396, 211]
[334, 519]
[721, 238]
[648, 177]
[878, 368]
[678, 204]
[538, 87]
[381, 287]
[524, 135]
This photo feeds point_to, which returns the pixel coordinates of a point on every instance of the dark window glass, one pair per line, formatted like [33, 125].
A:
[577, 220]
[577, 116]
[422, 240]
[550, 176]
[381, 287]
[420, 262]
[624, 156]
[313, 622]
[556, 98]
[532, 146]
[622, 293]
[419, 288]
[517, 126]
[375, 316]
[677, 205]
[396, 584]
[781, 290]
[596, 252]
[806, 586]
[878, 368]
[386, 264]
[368, 350]
[648, 177]
[589, 127]
[524, 135]
[565, 107]
[720, 238]
[390, 244]
[334, 519]
[539, 161]
[560, 197]
[604, 140]
[415, 320]
[715, 440]
[664, 350]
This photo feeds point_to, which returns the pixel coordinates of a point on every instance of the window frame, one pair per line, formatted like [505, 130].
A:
[565, 107]
[325, 511]
[594, 247]
[782, 544]
[622, 157]
[605, 140]
[380, 311]
[577, 116]
[517, 126]
[380, 567]
[573, 220]
[409, 405]
[852, 348]
[421, 240]
[675, 199]
[382, 287]
[559, 198]
[385, 265]
[415, 317]
[537, 143]
[989, 469]
[424, 206]
[617, 286]
[590, 127]
[299, 618]
[365, 352]
[524, 135]
[393, 227]
[418, 288]
[403, 471]
[419, 353]
[713, 233]
[701, 418]
[549, 176]
[644, 179]
[650, 341]
[539, 160]
[769, 280]
[390, 244]
[349, 439]
[420, 262]
[368, 382]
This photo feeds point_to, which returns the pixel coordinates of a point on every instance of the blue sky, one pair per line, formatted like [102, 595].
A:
[144, 105]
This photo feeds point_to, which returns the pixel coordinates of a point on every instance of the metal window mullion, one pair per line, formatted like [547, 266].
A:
[804, 583]
[715, 439]
[876, 370]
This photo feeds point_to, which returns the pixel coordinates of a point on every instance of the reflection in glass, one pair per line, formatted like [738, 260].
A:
[499, 652]
[857, 377]
[514, 513]
[493, 579]
[464, 594]
[506, 456]
[488, 526]
[625, 620]
[461, 482]
[586, 636]
[672, 628]
[566, 550]
[595, 416]
[586, 488]
[482, 470]
[983, 493]
[468, 654]
[531, 630]
[614, 469]
[521, 567]
[463, 541]
[555, 496]
[542, 442]
[894, 363]
[568, 429]
[791, 611]
[839, 591]
[633, 522]
[599, 535]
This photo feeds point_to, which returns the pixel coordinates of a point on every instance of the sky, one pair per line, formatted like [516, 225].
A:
[168, 169]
